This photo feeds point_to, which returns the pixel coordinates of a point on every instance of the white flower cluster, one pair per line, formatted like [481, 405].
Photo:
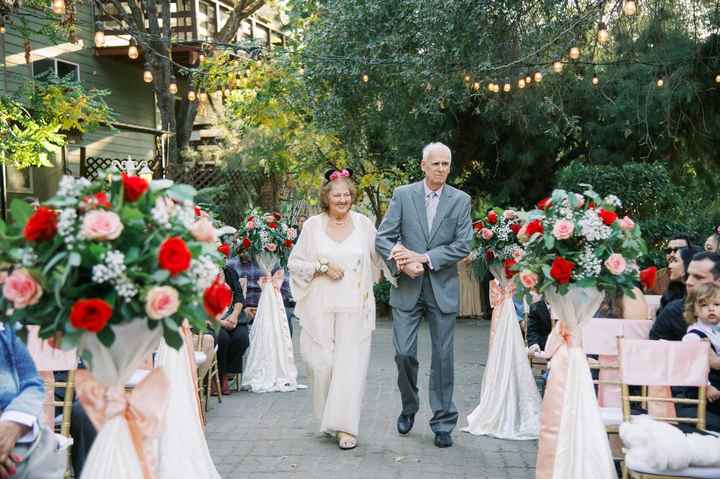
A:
[592, 227]
[507, 252]
[590, 265]
[160, 213]
[70, 186]
[28, 257]
[203, 272]
[502, 230]
[113, 270]
[613, 201]
[186, 214]
[66, 225]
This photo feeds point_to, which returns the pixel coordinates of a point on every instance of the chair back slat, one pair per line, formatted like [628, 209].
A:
[46, 357]
[664, 363]
[600, 334]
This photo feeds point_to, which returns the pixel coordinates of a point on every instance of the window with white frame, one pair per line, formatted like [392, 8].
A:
[59, 68]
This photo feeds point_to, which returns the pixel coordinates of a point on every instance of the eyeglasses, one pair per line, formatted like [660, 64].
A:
[670, 250]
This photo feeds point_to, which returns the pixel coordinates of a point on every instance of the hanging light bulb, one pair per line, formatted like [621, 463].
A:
[717, 78]
[629, 8]
[521, 83]
[258, 63]
[58, 7]
[203, 97]
[491, 86]
[595, 80]
[172, 87]
[574, 53]
[2, 28]
[191, 94]
[603, 36]
[558, 67]
[660, 82]
[301, 71]
[476, 86]
[147, 74]
[507, 87]
[133, 52]
[537, 77]
[467, 78]
[365, 78]
[201, 57]
[528, 80]
[99, 35]
[227, 92]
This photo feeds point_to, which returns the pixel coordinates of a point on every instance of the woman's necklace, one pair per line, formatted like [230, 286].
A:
[340, 223]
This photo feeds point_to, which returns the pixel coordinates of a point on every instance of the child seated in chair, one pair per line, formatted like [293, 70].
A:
[702, 313]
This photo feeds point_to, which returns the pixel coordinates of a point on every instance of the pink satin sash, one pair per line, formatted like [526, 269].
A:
[498, 295]
[143, 408]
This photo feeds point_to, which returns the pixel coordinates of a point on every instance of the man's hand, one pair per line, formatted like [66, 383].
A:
[414, 270]
[403, 256]
[251, 312]
[9, 433]
[713, 394]
[335, 272]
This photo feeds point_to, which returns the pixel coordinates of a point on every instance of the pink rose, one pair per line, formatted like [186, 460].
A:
[487, 234]
[580, 200]
[101, 225]
[522, 235]
[162, 302]
[518, 253]
[563, 229]
[616, 264]
[626, 224]
[271, 247]
[250, 225]
[3, 276]
[528, 279]
[203, 230]
[509, 214]
[22, 289]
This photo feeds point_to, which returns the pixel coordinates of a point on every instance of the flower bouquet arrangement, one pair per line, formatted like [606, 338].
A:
[579, 240]
[495, 243]
[266, 238]
[103, 254]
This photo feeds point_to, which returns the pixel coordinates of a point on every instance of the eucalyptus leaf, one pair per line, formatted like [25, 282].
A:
[20, 210]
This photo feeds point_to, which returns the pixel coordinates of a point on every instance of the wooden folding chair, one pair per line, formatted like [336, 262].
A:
[665, 363]
[63, 426]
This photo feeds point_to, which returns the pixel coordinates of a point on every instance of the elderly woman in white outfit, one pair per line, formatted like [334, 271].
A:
[332, 270]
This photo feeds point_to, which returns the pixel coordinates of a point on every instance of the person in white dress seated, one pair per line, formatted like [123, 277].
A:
[333, 268]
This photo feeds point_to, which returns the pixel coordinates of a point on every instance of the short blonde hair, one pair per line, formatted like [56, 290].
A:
[437, 147]
[698, 297]
[327, 188]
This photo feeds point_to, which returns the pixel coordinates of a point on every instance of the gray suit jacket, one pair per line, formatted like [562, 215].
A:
[446, 243]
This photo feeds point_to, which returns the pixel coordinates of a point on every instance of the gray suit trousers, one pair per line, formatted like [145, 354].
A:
[442, 374]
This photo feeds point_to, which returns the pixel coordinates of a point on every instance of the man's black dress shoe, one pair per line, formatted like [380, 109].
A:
[443, 439]
[405, 423]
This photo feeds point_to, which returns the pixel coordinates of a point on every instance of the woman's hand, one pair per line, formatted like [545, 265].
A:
[712, 394]
[335, 272]
[9, 433]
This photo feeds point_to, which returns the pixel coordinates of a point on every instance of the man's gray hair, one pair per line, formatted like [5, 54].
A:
[437, 148]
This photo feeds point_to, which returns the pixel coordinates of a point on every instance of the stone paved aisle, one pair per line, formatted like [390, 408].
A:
[273, 435]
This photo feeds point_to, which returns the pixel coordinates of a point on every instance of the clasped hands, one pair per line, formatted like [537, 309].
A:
[408, 261]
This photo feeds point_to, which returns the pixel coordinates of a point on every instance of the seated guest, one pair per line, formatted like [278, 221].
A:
[675, 288]
[27, 450]
[702, 313]
[700, 268]
[233, 337]
[539, 325]
[246, 267]
[712, 243]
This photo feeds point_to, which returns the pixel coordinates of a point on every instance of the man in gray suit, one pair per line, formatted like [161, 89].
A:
[426, 231]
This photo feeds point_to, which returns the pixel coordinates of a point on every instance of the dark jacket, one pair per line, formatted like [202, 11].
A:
[670, 324]
[539, 324]
[232, 279]
[675, 290]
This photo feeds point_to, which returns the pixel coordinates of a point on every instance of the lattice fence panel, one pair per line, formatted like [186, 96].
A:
[93, 166]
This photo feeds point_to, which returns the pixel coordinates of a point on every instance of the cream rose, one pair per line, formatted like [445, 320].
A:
[486, 234]
[22, 289]
[271, 247]
[162, 302]
[528, 279]
[509, 214]
[101, 225]
[250, 225]
[203, 230]
[563, 229]
[616, 264]
[522, 234]
[626, 224]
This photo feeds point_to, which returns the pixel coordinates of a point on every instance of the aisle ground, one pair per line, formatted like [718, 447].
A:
[274, 436]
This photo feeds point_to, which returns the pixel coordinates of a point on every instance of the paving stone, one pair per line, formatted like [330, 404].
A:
[274, 435]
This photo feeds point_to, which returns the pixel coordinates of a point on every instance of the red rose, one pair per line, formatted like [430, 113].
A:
[250, 218]
[561, 270]
[608, 217]
[198, 211]
[41, 226]
[133, 187]
[288, 243]
[543, 203]
[535, 226]
[174, 255]
[489, 256]
[508, 264]
[272, 225]
[245, 243]
[224, 249]
[648, 277]
[98, 199]
[90, 314]
[492, 217]
[217, 297]
[591, 206]
[477, 226]
[515, 228]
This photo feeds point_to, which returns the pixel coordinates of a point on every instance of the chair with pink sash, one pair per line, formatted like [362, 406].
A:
[653, 302]
[664, 363]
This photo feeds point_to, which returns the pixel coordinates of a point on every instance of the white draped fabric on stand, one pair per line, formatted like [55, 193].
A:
[509, 405]
[183, 449]
[270, 364]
